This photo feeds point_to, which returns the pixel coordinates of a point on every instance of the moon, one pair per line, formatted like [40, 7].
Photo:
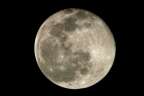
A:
[74, 48]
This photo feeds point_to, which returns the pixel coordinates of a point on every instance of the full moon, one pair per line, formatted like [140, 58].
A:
[74, 48]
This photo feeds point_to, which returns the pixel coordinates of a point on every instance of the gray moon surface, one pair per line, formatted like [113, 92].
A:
[74, 48]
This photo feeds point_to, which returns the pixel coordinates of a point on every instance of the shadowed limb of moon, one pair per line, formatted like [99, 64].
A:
[74, 48]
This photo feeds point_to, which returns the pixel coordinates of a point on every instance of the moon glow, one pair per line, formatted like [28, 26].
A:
[74, 48]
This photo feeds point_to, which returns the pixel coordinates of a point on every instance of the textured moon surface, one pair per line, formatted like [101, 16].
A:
[74, 48]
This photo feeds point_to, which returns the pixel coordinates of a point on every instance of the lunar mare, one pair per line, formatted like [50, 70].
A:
[74, 48]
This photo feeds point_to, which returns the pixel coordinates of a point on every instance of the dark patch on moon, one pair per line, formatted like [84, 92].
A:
[70, 24]
[68, 11]
[81, 15]
[82, 56]
[87, 25]
[57, 29]
[49, 52]
[63, 75]
[84, 70]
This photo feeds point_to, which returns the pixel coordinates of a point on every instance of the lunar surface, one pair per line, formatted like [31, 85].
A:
[74, 48]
